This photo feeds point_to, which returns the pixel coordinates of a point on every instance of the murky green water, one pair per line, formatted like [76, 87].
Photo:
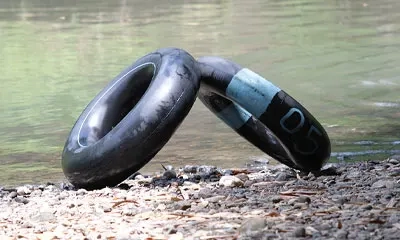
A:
[340, 59]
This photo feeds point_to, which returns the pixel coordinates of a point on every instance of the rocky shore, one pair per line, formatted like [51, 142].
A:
[346, 201]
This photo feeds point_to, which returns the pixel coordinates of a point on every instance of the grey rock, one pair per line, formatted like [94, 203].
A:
[299, 232]
[36, 193]
[242, 177]
[44, 216]
[107, 209]
[230, 181]
[252, 224]
[12, 194]
[248, 183]
[215, 199]
[384, 184]
[129, 212]
[169, 174]
[283, 177]
[261, 161]
[304, 199]
[205, 193]
[81, 192]
[63, 195]
[24, 190]
[394, 161]
[276, 199]
[341, 234]
[182, 205]
[21, 200]
[366, 207]
[190, 169]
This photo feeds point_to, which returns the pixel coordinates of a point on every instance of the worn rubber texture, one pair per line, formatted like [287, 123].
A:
[263, 114]
[131, 119]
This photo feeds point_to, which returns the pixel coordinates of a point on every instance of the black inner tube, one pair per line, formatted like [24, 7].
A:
[120, 100]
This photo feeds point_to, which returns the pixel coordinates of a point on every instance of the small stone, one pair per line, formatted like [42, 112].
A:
[341, 234]
[21, 200]
[304, 199]
[144, 180]
[128, 212]
[124, 186]
[329, 171]
[12, 194]
[205, 193]
[190, 169]
[394, 161]
[342, 200]
[230, 181]
[139, 177]
[182, 205]
[81, 192]
[107, 209]
[384, 184]
[215, 199]
[169, 174]
[261, 161]
[51, 188]
[176, 236]
[283, 177]
[24, 190]
[47, 236]
[27, 225]
[63, 195]
[43, 216]
[36, 193]
[366, 207]
[242, 177]
[252, 224]
[311, 230]
[299, 232]
[276, 199]
[292, 201]
[70, 205]
[161, 207]
[248, 183]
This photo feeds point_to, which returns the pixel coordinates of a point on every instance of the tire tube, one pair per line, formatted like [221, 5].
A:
[131, 119]
[263, 114]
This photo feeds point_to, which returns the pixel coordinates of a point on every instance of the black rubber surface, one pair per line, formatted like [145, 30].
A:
[285, 130]
[131, 119]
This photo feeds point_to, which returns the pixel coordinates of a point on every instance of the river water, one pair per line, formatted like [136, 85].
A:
[340, 59]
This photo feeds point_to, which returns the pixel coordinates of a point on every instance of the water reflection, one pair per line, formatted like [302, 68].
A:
[338, 58]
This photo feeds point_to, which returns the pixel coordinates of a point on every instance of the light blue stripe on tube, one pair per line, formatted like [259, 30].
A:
[251, 91]
[234, 116]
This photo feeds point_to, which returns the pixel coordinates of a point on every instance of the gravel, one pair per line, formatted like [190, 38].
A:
[346, 201]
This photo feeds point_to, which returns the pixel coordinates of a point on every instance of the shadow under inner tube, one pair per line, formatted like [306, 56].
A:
[131, 119]
[263, 114]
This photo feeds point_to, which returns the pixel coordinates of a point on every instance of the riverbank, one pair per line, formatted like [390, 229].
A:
[346, 201]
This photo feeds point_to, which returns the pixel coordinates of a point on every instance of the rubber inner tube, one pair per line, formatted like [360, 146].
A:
[131, 119]
[263, 114]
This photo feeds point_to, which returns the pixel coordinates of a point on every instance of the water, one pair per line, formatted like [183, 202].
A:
[338, 58]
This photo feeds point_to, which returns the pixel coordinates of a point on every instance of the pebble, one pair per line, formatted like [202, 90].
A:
[283, 177]
[81, 192]
[353, 201]
[12, 194]
[299, 232]
[24, 190]
[21, 200]
[384, 184]
[252, 224]
[230, 181]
